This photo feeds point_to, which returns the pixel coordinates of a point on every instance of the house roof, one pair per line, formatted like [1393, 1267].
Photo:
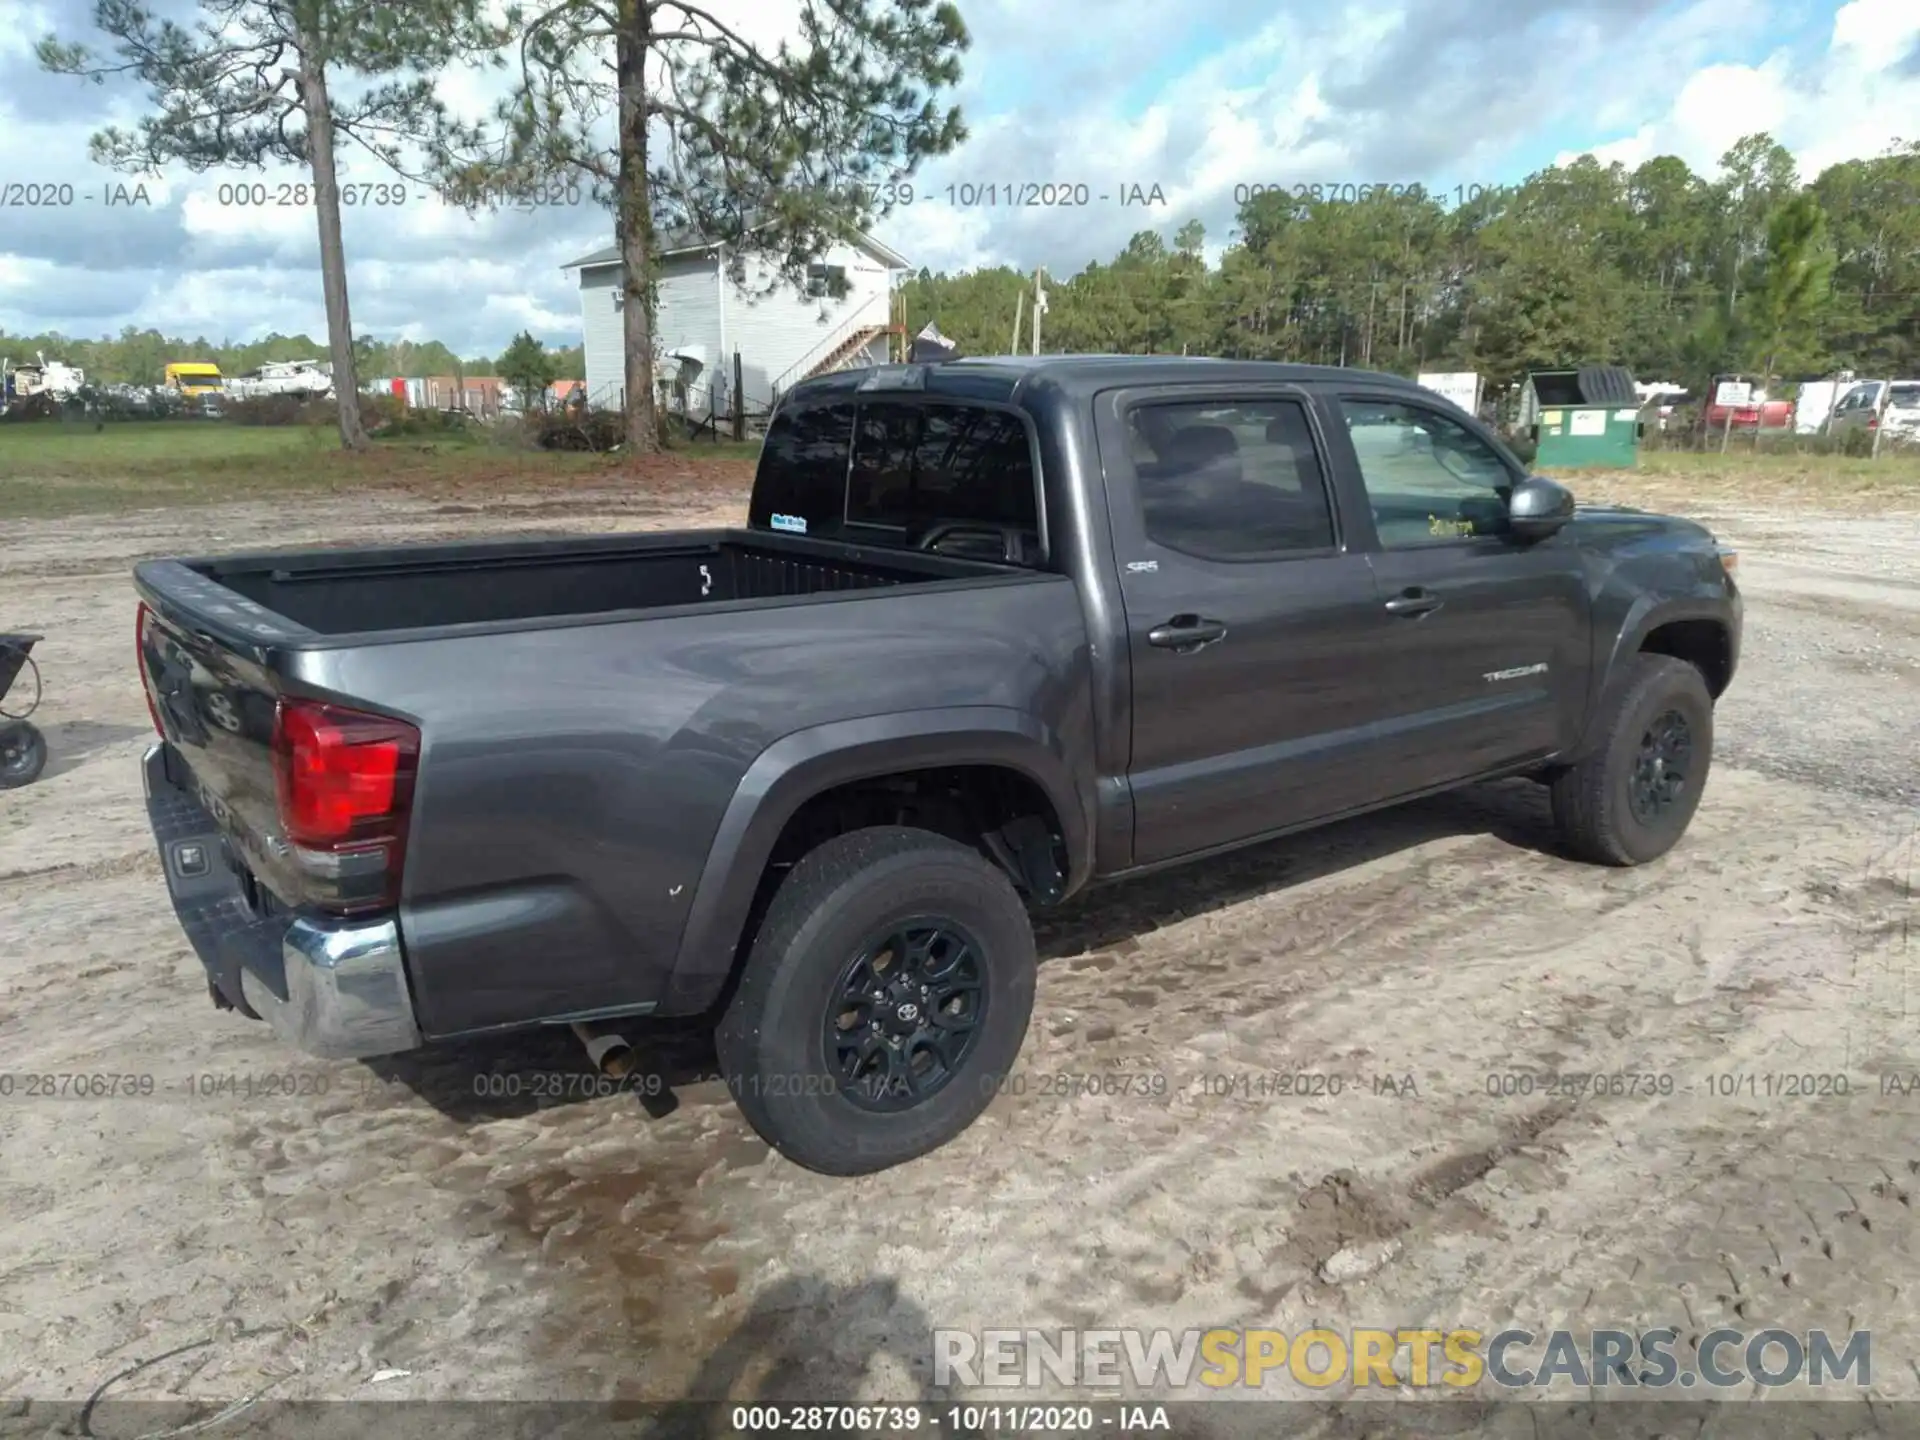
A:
[689, 242]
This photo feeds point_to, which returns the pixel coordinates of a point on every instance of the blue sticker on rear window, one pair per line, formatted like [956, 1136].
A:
[795, 523]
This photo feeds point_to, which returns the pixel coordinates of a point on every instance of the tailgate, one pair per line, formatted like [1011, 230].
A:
[237, 734]
[215, 708]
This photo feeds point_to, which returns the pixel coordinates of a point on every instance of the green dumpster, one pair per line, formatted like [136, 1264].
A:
[1588, 416]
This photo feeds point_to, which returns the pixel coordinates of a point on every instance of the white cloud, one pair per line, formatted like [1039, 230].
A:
[1875, 32]
[1850, 101]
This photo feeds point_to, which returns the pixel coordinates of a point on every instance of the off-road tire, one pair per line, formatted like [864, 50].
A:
[23, 756]
[771, 1040]
[1592, 800]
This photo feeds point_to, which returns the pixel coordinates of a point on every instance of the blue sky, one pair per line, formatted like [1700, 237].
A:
[1198, 99]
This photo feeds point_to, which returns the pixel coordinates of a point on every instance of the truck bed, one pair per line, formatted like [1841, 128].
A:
[335, 593]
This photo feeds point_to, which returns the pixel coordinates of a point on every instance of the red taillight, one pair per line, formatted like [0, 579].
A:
[142, 618]
[345, 778]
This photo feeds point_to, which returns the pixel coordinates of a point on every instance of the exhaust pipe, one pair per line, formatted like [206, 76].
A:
[610, 1051]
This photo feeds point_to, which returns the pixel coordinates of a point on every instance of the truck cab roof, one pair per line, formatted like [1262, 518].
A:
[1003, 378]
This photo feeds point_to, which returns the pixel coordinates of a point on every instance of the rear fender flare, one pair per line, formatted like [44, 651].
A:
[809, 762]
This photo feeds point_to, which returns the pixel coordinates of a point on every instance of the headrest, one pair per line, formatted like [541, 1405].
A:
[1202, 444]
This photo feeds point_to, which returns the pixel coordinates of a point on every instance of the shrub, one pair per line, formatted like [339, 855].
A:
[381, 415]
[279, 410]
[379, 411]
[594, 430]
[410, 424]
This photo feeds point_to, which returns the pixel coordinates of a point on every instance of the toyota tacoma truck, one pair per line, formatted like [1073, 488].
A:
[993, 631]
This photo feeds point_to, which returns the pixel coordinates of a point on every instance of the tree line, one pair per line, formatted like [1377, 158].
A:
[672, 119]
[1675, 275]
[140, 357]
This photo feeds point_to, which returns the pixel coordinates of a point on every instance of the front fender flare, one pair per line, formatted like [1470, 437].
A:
[808, 762]
[1647, 614]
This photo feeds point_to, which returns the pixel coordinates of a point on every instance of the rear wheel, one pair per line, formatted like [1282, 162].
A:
[1631, 800]
[885, 998]
[23, 754]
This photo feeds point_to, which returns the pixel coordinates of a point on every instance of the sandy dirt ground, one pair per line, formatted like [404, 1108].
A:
[491, 1246]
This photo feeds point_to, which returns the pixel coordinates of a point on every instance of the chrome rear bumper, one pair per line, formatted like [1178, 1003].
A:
[346, 992]
[336, 989]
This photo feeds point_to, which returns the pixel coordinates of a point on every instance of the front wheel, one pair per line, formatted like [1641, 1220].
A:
[1631, 800]
[23, 754]
[884, 1000]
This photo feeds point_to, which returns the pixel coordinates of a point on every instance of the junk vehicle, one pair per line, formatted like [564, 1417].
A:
[23, 749]
[59, 382]
[308, 379]
[1757, 412]
[1889, 406]
[195, 380]
[992, 631]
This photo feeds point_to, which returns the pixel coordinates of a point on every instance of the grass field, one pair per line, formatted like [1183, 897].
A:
[1672, 478]
[51, 469]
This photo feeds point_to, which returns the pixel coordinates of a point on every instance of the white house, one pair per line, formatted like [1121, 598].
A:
[704, 316]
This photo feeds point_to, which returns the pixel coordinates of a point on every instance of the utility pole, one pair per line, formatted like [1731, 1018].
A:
[1039, 303]
[1019, 311]
[739, 398]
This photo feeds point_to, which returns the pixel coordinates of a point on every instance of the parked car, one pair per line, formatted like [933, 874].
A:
[1760, 413]
[993, 630]
[1656, 411]
[1889, 405]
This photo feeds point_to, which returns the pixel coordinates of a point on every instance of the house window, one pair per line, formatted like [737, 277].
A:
[826, 280]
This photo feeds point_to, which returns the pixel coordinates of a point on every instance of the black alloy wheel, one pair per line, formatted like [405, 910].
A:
[883, 1000]
[906, 1013]
[1661, 767]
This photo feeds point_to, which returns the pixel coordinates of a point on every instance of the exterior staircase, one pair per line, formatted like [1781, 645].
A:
[850, 352]
[846, 351]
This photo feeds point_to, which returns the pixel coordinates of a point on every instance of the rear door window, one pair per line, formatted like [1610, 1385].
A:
[1230, 480]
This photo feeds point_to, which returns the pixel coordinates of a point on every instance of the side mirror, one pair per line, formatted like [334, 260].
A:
[1538, 507]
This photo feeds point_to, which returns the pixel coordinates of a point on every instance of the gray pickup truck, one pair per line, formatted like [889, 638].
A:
[994, 630]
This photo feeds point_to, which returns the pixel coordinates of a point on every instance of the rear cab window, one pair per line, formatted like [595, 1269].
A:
[932, 475]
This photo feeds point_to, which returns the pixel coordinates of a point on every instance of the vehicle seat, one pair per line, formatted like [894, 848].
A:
[1295, 511]
[1187, 490]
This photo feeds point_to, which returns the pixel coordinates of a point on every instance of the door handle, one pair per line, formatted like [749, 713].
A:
[1414, 602]
[1187, 633]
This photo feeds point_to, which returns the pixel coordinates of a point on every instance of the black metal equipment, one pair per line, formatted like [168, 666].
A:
[23, 749]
